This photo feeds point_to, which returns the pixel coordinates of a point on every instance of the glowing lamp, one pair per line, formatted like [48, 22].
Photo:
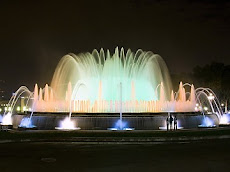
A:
[211, 97]
[18, 108]
[205, 108]
[24, 108]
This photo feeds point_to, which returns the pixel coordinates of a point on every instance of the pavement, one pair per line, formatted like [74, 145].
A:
[205, 153]
[199, 156]
[117, 137]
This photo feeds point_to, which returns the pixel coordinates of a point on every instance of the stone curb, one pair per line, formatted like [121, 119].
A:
[118, 140]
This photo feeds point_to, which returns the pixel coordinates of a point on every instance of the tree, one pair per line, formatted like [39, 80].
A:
[215, 76]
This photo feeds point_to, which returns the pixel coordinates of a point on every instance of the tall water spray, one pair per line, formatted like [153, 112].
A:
[88, 82]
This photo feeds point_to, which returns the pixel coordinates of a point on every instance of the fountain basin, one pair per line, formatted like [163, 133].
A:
[103, 121]
[5, 127]
[207, 126]
[67, 129]
[27, 128]
[224, 125]
[124, 129]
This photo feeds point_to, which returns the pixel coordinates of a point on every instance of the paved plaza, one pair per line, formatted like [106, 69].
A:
[205, 155]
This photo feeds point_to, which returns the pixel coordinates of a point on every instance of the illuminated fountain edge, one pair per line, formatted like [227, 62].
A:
[99, 121]
[97, 114]
[67, 124]
[6, 122]
[120, 124]
[225, 120]
[26, 124]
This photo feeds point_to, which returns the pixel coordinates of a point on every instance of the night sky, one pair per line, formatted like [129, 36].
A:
[35, 35]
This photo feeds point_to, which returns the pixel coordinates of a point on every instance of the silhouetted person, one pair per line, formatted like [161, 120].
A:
[167, 123]
[170, 121]
[175, 123]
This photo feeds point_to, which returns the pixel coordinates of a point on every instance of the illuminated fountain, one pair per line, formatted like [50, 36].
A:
[212, 106]
[26, 122]
[89, 83]
[7, 116]
[120, 124]
[67, 124]
[6, 119]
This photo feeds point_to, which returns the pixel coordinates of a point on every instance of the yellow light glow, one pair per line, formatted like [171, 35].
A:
[24, 108]
[18, 108]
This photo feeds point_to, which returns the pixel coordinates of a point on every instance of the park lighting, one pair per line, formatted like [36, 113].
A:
[0, 109]
[18, 108]
[5, 108]
[205, 108]
[222, 104]
[210, 97]
[24, 108]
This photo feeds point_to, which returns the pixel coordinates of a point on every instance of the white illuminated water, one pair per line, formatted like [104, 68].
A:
[89, 82]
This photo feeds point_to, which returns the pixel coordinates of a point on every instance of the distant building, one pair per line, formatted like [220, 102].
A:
[4, 98]
[2, 90]
[3, 106]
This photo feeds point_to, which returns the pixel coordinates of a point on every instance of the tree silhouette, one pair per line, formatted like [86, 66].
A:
[215, 76]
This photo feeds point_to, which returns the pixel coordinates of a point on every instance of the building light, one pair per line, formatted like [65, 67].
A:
[18, 108]
[211, 97]
[24, 108]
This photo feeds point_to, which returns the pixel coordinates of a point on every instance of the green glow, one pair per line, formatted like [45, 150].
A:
[96, 76]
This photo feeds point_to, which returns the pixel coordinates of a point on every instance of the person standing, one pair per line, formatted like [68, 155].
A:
[175, 123]
[167, 123]
[171, 121]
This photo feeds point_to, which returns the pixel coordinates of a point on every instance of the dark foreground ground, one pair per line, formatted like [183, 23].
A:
[205, 155]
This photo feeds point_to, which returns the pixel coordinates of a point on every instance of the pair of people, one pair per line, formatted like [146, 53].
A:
[171, 122]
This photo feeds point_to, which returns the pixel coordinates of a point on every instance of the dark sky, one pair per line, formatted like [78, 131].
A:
[36, 34]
